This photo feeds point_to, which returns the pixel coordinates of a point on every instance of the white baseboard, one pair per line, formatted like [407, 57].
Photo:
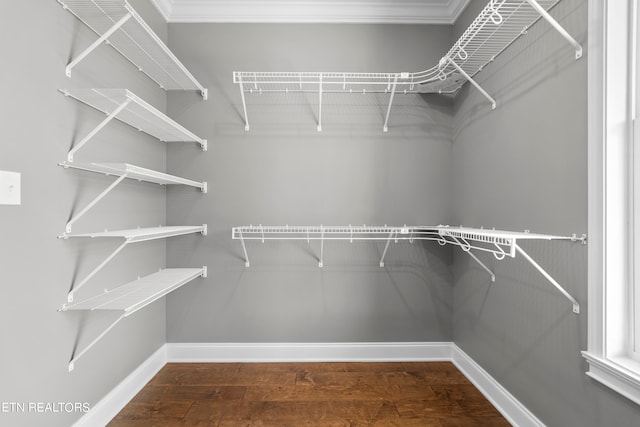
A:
[308, 352]
[107, 408]
[516, 413]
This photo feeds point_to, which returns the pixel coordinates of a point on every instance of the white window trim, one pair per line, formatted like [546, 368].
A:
[610, 266]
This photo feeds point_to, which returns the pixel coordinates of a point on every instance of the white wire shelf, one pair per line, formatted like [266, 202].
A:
[134, 296]
[136, 173]
[497, 26]
[125, 171]
[119, 25]
[123, 105]
[135, 235]
[497, 242]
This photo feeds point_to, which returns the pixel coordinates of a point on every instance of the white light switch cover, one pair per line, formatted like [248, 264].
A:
[9, 188]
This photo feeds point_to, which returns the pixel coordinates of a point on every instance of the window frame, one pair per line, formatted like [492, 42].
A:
[611, 68]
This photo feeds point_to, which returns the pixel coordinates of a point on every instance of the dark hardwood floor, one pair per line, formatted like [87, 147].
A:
[310, 394]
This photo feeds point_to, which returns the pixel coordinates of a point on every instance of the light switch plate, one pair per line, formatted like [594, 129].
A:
[9, 188]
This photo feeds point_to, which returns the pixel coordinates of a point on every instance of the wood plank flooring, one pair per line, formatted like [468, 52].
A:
[433, 394]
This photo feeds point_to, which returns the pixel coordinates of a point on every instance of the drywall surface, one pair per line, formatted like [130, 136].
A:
[524, 166]
[39, 125]
[283, 171]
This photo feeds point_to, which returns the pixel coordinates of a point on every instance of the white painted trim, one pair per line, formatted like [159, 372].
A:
[514, 411]
[109, 406]
[104, 411]
[608, 253]
[616, 376]
[312, 11]
[308, 352]
[164, 7]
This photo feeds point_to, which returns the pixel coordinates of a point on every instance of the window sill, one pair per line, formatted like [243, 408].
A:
[619, 374]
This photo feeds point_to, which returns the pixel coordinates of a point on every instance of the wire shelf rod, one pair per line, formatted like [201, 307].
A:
[495, 28]
[500, 243]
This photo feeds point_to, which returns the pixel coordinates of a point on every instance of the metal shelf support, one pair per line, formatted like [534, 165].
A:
[244, 105]
[95, 130]
[97, 43]
[385, 127]
[466, 247]
[386, 247]
[534, 4]
[320, 105]
[574, 302]
[473, 82]
[94, 201]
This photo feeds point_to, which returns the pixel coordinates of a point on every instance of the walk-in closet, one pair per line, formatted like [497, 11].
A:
[273, 213]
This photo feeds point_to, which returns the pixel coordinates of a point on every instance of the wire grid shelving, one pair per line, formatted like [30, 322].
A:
[125, 171]
[125, 106]
[135, 235]
[497, 26]
[118, 24]
[132, 297]
[497, 242]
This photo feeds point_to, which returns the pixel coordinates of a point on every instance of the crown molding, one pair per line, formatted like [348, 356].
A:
[312, 11]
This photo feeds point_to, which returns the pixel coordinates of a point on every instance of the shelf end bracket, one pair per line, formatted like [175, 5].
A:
[96, 43]
[473, 82]
[95, 130]
[574, 302]
[578, 47]
[244, 103]
[385, 128]
[72, 363]
[244, 249]
[386, 247]
[94, 201]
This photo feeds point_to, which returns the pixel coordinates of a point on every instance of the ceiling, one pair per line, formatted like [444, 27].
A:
[313, 11]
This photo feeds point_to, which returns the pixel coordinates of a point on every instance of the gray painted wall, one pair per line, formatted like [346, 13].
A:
[284, 172]
[38, 127]
[524, 166]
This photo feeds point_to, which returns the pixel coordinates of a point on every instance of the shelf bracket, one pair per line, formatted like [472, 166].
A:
[385, 128]
[321, 262]
[574, 302]
[74, 359]
[102, 124]
[534, 4]
[94, 201]
[467, 248]
[386, 246]
[244, 103]
[96, 270]
[244, 249]
[96, 43]
[320, 106]
[473, 82]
